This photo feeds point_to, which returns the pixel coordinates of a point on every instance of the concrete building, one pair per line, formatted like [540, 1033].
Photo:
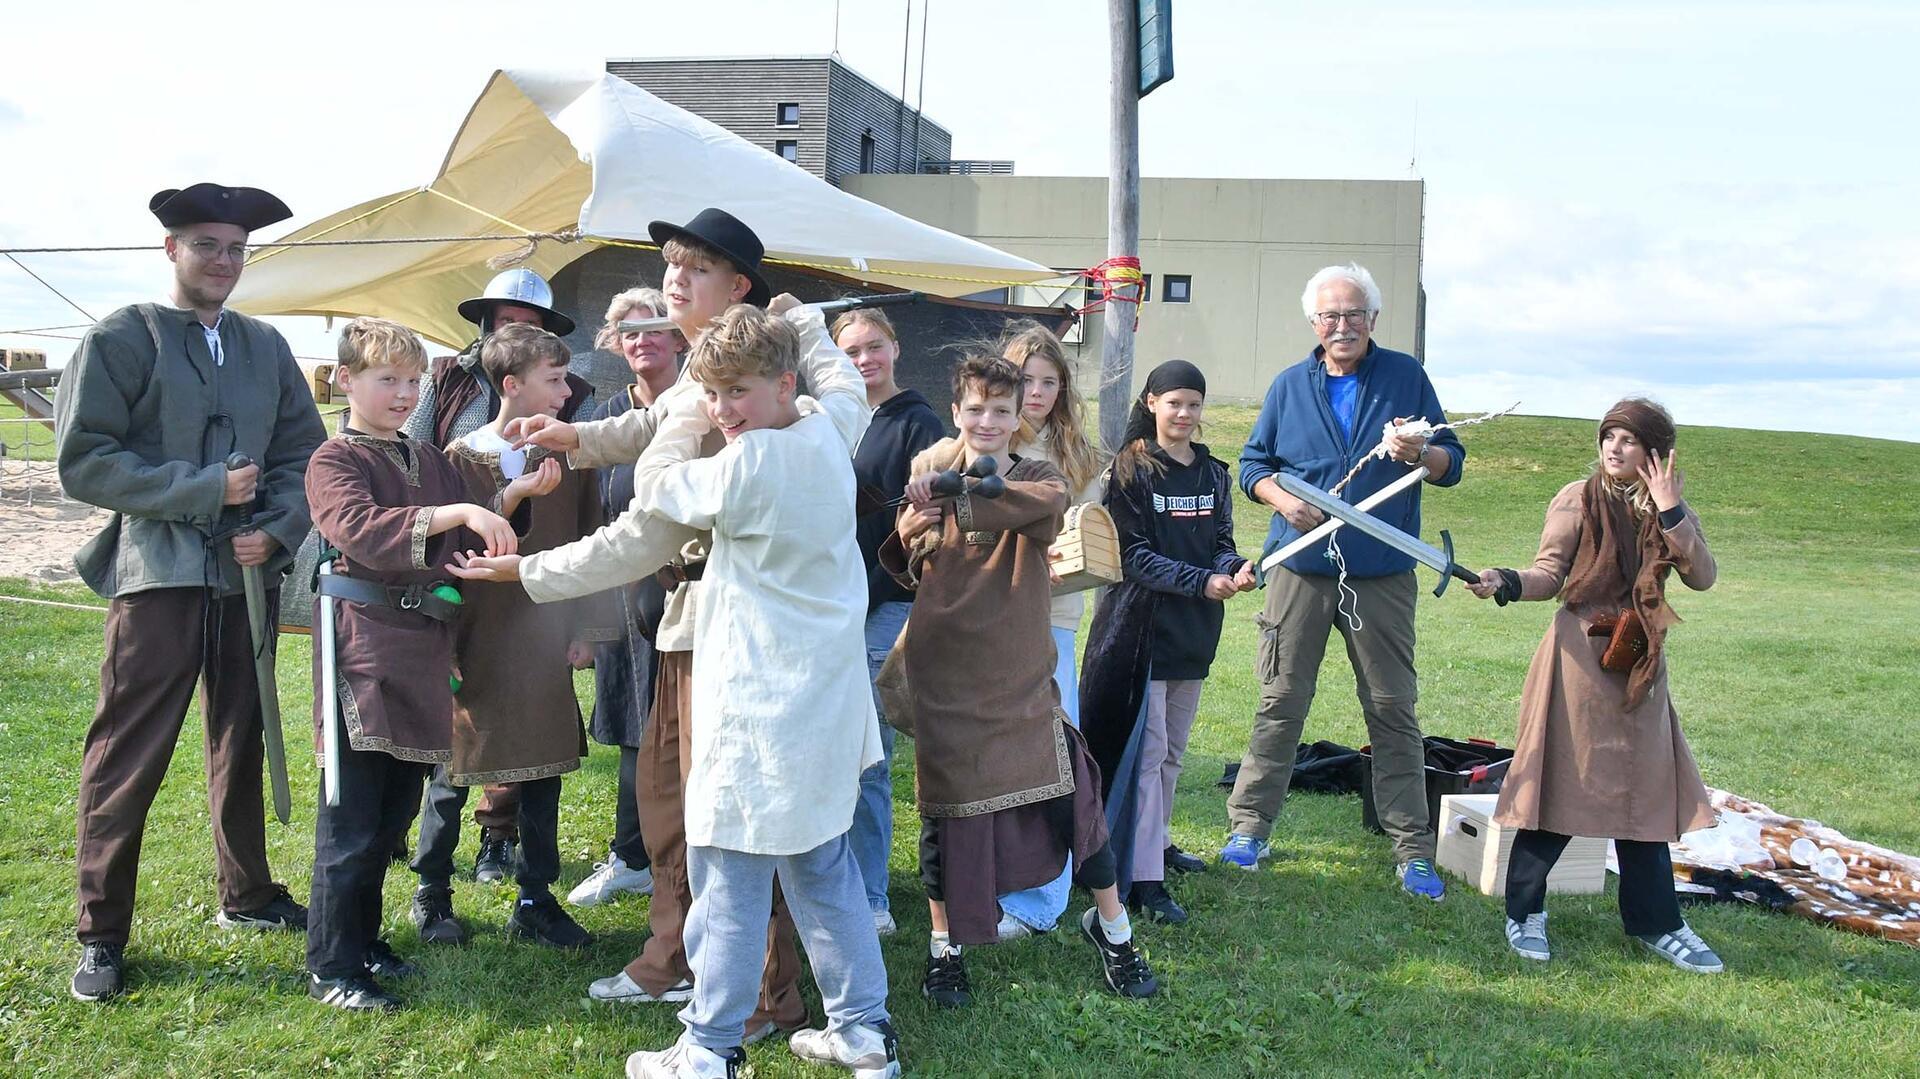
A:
[1226, 258]
[815, 111]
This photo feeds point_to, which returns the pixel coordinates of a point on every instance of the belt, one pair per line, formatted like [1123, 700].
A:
[418, 598]
[674, 574]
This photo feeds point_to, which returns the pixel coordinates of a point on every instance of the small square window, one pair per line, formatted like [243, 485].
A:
[1146, 288]
[1178, 288]
[787, 114]
[789, 149]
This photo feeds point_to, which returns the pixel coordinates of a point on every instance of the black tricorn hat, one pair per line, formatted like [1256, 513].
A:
[728, 235]
[248, 207]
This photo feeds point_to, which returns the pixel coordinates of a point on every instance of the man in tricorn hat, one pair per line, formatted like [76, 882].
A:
[155, 400]
[456, 401]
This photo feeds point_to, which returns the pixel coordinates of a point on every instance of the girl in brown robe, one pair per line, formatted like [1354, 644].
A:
[1006, 786]
[1599, 750]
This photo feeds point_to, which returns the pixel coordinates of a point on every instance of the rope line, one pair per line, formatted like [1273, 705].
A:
[1411, 427]
[54, 603]
[50, 288]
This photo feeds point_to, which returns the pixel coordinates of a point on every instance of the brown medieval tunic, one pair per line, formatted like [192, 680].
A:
[515, 717]
[1583, 764]
[1006, 784]
[373, 499]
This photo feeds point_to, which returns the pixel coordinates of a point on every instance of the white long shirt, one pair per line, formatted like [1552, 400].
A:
[783, 720]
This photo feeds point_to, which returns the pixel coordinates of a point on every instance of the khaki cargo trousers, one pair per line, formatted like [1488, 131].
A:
[1301, 612]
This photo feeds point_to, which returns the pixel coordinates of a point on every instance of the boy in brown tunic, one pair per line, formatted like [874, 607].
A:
[1005, 784]
[395, 510]
[515, 717]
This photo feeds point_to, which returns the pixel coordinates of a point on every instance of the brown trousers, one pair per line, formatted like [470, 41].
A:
[1301, 613]
[660, 783]
[154, 655]
[499, 809]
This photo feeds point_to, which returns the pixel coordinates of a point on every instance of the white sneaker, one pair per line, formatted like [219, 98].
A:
[883, 923]
[621, 989]
[684, 1060]
[609, 879]
[869, 1052]
[1529, 938]
[1012, 929]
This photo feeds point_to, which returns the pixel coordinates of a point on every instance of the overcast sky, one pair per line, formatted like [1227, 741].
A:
[1710, 202]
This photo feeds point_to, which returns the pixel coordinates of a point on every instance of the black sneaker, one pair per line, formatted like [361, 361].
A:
[100, 974]
[433, 916]
[382, 961]
[495, 863]
[280, 912]
[1123, 966]
[946, 981]
[1151, 899]
[544, 921]
[1181, 862]
[354, 993]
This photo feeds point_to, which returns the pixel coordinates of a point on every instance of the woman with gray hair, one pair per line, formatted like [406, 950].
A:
[623, 669]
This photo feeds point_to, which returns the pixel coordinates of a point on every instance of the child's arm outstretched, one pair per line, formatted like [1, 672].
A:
[388, 538]
[830, 376]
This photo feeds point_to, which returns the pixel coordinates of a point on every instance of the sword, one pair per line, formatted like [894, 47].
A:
[827, 309]
[329, 691]
[1412, 546]
[1332, 524]
[264, 627]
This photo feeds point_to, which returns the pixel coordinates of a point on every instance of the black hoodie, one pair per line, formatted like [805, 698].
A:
[902, 426]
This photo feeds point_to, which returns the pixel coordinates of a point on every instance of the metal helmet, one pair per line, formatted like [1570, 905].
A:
[517, 286]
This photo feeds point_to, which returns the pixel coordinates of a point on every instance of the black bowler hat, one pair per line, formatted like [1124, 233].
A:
[248, 207]
[726, 234]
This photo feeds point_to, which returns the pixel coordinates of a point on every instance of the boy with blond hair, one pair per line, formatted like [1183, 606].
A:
[391, 512]
[784, 727]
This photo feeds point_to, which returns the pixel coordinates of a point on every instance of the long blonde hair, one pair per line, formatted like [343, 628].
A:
[1023, 340]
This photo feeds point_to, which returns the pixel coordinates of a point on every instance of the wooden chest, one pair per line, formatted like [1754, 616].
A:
[1087, 552]
[1475, 848]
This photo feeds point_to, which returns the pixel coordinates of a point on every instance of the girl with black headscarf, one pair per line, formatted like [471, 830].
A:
[1154, 634]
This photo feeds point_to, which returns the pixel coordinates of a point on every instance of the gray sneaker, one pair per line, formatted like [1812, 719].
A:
[1684, 949]
[1529, 938]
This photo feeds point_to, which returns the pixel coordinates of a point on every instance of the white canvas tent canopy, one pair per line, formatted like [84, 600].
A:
[546, 152]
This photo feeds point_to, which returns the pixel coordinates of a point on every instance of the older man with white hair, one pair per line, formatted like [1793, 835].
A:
[1321, 418]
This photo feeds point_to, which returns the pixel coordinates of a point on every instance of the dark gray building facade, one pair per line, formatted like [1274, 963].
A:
[815, 111]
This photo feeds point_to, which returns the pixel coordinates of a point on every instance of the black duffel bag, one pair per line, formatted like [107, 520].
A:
[1475, 766]
[1321, 767]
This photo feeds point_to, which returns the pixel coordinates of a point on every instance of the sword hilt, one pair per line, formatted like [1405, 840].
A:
[1454, 569]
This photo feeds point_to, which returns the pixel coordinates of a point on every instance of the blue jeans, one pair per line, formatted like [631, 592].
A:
[872, 833]
[726, 937]
[1041, 907]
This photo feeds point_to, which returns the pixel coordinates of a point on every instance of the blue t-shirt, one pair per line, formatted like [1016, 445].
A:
[1343, 393]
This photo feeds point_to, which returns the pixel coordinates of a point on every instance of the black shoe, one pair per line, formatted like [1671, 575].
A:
[433, 916]
[495, 863]
[542, 920]
[100, 974]
[354, 993]
[946, 981]
[1123, 966]
[280, 912]
[382, 961]
[1181, 862]
[1151, 899]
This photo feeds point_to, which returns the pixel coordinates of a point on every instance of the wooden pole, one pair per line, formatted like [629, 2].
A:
[1123, 216]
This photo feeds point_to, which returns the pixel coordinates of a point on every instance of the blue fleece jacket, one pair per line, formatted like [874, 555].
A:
[1296, 433]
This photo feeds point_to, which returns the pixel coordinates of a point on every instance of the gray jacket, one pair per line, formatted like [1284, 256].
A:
[144, 424]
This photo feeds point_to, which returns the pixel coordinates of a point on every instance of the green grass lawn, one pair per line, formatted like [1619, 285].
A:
[1794, 678]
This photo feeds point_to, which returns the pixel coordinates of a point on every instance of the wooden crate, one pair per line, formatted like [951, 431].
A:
[1087, 552]
[1474, 848]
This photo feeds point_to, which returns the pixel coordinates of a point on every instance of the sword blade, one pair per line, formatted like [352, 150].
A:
[1332, 524]
[1366, 523]
[263, 627]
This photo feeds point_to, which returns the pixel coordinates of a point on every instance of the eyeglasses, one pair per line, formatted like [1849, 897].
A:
[211, 250]
[1327, 320]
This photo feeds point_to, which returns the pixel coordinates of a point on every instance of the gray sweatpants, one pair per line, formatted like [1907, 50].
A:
[1300, 614]
[726, 937]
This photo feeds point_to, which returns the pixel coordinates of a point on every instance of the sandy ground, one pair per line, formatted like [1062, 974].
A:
[37, 541]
